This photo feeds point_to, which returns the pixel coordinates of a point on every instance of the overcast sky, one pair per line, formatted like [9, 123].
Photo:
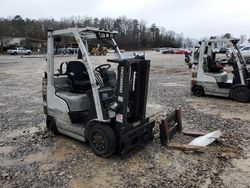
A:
[193, 18]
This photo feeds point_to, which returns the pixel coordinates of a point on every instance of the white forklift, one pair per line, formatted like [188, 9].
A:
[102, 107]
[210, 78]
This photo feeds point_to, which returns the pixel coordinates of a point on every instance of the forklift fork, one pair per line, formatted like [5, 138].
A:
[170, 126]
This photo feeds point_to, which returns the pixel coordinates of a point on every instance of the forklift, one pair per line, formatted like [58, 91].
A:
[101, 107]
[210, 78]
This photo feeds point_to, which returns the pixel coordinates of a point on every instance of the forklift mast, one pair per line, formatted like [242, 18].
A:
[131, 126]
[132, 87]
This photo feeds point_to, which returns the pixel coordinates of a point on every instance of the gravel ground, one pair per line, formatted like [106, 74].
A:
[32, 157]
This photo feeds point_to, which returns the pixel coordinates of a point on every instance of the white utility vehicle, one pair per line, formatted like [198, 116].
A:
[19, 51]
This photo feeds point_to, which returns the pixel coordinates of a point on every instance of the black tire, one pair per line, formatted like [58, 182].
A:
[51, 125]
[240, 94]
[198, 91]
[190, 66]
[102, 140]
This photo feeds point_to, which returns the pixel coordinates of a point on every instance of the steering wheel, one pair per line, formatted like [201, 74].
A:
[100, 67]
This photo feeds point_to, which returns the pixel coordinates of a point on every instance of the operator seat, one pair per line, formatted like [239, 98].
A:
[109, 78]
[78, 77]
[212, 66]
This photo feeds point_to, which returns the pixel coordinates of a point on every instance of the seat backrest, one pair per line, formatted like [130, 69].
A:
[78, 77]
[77, 67]
[210, 64]
[209, 60]
[109, 78]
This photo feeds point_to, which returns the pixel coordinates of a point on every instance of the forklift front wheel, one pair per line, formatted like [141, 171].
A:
[240, 94]
[102, 140]
[198, 91]
[51, 125]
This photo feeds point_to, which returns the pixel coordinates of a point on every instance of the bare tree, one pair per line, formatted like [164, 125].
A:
[132, 33]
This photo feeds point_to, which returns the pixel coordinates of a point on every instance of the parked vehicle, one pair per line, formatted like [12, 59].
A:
[181, 51]
[168, 51]
[243, 45]
[72, 50]
[245, 51]
[111, 50]
[223, 50]
[19, 50]
[157, 49]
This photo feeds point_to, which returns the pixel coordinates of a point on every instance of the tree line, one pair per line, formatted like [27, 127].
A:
[132, 33]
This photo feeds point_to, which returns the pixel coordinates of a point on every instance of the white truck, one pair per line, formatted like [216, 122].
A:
[19, 50]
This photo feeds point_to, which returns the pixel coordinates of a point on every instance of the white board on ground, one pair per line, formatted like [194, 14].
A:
[206, 139]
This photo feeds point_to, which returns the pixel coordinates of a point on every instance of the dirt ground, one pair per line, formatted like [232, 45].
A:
[32, 157]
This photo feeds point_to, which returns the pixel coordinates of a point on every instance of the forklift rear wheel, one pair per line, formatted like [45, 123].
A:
[198, 91]
[51, 125]
[102, 140]
[241, 94]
